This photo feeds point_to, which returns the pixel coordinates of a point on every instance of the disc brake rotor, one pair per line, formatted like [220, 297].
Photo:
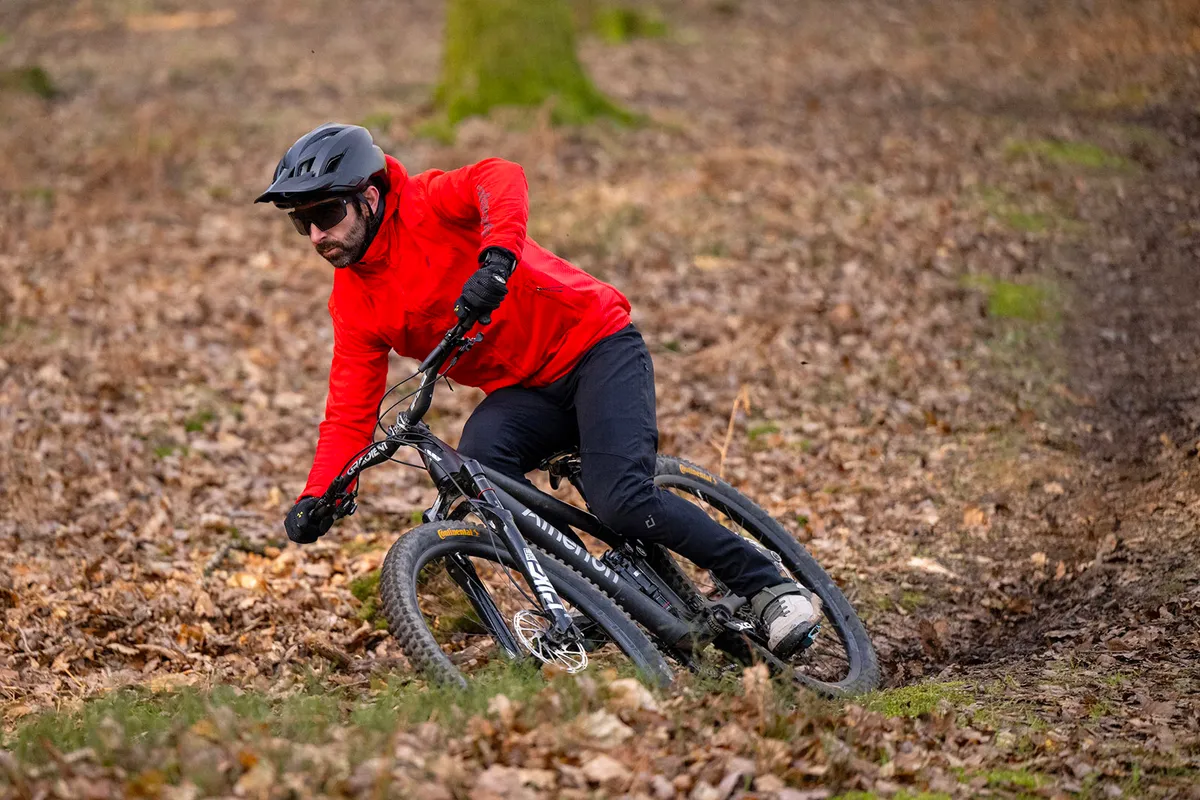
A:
[531, 627]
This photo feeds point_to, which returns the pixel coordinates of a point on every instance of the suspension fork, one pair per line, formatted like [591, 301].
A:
[462, 572]
[500, 520]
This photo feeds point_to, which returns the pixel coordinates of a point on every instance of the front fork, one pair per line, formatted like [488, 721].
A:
[562, 629]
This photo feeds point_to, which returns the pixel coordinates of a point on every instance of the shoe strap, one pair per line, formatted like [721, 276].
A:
[764, 598]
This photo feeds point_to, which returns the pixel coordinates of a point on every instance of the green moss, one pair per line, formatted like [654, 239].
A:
[762, 429]
[1008, 300]
[911, 600]
[33, 80]
[197, 421]
[365, 589]
[617, 24]
[1072, 154]
[516, 53]
[1033, 302]
[170, 449]
[915, 700]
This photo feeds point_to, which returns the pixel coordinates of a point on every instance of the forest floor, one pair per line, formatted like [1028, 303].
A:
[947, 249]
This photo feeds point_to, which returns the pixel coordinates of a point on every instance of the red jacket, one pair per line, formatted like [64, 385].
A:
[401, 297]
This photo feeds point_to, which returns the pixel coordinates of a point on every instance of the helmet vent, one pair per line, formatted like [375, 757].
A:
[305, 166]
[333, 163]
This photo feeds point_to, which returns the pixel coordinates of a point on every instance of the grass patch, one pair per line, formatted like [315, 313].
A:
[133, 727]
[366, 589]
[451, 707]
[756, 432]
[1007, 300]
[125, 718]
[32, 80]
[1020, 778]
[617, 24]
[1032, 302]
[1037, 215]
[903, 794]
[196, 422]
[911, 600]
[1069, 154]
[915, 700]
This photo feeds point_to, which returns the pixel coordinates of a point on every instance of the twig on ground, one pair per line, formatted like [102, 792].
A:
[742, 399]
[237, 543]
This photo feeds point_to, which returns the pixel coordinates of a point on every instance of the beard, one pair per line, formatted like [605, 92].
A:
[343, 252]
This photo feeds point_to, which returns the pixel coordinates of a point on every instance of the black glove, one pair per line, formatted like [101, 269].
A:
[488, 285]
[302, 527]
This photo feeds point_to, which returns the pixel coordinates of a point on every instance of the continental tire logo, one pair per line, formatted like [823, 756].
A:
[696, 473]
[442, 534]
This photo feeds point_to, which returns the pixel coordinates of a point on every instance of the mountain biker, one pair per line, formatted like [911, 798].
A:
[561, 364]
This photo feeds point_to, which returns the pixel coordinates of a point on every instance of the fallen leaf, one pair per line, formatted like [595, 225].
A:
[183, 20]
[629, 694]
[974, 517]
[604, 770]
[930, 566]
[602, 729]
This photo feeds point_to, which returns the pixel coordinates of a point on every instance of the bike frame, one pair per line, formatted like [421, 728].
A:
[518, 514]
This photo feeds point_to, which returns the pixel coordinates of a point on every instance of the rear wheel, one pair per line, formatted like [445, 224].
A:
[454, 599]
[841, 660]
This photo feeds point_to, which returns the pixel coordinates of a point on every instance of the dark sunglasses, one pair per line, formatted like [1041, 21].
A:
[323, 215]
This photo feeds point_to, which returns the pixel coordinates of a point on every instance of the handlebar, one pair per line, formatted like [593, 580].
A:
[336, 500]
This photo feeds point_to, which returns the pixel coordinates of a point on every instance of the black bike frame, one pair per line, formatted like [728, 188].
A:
[511, 510]
[531, 509]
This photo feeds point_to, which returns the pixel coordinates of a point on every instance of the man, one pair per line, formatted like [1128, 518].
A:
[561, 364]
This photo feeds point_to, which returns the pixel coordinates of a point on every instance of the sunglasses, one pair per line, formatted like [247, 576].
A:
[323, 215]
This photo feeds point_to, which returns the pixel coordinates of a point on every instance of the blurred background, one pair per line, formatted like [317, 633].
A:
[941, 250]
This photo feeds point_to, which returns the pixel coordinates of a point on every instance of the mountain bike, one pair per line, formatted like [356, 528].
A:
[500, 569]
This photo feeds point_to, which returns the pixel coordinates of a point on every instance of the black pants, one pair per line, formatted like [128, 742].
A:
[606, 406]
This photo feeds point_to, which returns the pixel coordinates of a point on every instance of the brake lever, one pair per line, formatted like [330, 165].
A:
[334, 509]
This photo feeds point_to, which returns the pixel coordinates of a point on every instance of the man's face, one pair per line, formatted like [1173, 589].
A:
[339, 244]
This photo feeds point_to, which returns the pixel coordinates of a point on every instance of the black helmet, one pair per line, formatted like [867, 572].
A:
[330, 160]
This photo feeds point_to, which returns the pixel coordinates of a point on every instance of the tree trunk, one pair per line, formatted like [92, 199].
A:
[516, 53]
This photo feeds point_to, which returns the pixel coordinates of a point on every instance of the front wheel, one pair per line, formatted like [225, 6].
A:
[841, 660]
[454, 600]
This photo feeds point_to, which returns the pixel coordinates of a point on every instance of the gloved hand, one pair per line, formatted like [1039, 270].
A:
[301, 526]
[488, 285]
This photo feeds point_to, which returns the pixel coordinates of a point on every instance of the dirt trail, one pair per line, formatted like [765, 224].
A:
[948, 249]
